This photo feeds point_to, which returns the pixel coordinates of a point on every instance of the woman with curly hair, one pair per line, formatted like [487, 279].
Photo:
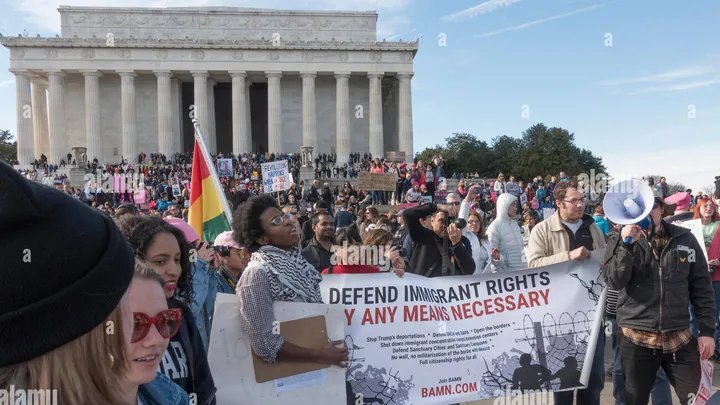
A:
[164, 248]
[276, 272]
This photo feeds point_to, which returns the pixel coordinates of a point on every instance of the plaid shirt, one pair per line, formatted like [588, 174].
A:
[669, 342]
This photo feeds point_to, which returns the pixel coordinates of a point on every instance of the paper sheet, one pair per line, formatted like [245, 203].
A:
[294, 382]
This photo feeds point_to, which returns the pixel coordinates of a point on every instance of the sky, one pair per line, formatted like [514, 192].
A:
[636, 81]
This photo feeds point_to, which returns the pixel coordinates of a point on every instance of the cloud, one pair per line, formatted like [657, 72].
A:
[541, 21]
[6, 82]
[678, 87]
[670, 75]
[43, 14]
[482, 8]
[389, 28]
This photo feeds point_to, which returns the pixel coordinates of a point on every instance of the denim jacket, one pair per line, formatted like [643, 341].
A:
[222, 285]
[162, 391]
[204, 286]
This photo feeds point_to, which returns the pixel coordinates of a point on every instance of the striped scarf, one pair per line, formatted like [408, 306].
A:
[292, 271]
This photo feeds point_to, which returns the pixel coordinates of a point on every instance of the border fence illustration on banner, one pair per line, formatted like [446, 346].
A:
[476, 337]
[275, 176]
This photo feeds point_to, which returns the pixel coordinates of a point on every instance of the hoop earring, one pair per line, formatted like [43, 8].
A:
[112, 360]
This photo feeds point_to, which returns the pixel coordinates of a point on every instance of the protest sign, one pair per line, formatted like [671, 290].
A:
[224, 167]
[275, 176]
[476, 337]
[695, 227]
[377, 181]
[231, 360]
[547, 212]
[441, 197]
[395, 157]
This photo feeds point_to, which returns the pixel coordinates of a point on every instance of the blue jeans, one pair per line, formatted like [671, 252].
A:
[378, 197]
[596, 383]
[694, 323]
[661, 394]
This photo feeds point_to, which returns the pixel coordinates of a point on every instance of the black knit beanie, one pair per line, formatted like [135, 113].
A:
[63, 268]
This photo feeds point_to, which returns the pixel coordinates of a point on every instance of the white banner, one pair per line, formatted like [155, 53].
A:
[705, 391]
[457, 339]
[695, 227]
[275, 176]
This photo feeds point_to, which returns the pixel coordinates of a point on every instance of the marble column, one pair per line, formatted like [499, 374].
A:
[211, 137]
[342, 110]
[164, 112]
[377, 145]
[240, 122]
[130, 149]
[93, 128]
[405, 131]
[309, 120]
[176, 111]
[200, 102]
[248, 83]
[56, 117]
[40, 118]
[274, 113]
[23, 108]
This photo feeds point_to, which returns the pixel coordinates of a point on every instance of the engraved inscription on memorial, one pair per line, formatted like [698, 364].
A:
[17, 53]
[88, 54]
[198, 54]
[51, 53]
[238, 55]
[161, 54]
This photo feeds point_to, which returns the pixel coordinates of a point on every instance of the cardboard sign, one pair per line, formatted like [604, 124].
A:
[231, 358]
[377, 181]
[275, 176]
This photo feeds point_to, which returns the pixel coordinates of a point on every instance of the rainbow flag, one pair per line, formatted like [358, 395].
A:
[206, 211]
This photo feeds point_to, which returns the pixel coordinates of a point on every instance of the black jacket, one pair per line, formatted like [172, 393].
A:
[655, 296]
[199, 380]
[426, 259]
[317, 255]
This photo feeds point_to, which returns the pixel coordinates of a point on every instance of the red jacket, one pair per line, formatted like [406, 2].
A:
[352, 269]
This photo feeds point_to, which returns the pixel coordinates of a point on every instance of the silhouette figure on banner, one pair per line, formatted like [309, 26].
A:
[530, 376]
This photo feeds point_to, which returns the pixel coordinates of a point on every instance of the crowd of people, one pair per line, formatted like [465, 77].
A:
[135, 269]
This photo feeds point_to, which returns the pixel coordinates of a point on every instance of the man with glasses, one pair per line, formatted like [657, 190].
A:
[570, 234]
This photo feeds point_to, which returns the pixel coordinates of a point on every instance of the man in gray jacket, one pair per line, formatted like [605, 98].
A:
[658, 272]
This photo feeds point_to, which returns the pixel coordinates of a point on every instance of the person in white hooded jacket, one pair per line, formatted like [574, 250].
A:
[506, 238]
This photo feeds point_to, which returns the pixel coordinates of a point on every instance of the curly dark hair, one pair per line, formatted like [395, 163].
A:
[246, 224]
[139, 232]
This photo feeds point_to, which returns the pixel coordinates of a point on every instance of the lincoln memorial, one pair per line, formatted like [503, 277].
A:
[120, 81]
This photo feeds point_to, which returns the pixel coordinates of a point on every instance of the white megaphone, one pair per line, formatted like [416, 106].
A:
[629, 203]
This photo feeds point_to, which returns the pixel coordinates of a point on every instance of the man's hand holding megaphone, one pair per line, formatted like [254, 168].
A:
[631, 231]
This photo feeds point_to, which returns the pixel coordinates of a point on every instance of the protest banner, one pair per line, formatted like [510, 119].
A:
[231, 361]
[441, 197]
[377, 181]
[275, 176]
[476, 337]
[406, 206]
[705, 390]
[224, 167]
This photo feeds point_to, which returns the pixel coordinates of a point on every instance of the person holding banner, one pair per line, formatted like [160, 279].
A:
[570, 234]
[658, 273]
[276, 272]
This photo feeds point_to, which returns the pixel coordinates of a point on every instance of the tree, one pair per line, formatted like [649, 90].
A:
[8, 149]
[540, 151]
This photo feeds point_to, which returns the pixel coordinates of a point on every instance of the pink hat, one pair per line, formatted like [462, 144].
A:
[681, 201]
[226, 239]
[190, 234]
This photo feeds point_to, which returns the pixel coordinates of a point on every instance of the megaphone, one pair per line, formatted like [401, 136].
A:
[629, 203]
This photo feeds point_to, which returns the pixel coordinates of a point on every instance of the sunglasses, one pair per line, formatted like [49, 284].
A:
[166, 322]
[277, 221]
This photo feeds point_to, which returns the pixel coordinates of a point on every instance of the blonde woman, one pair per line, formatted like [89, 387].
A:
[56, 309]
